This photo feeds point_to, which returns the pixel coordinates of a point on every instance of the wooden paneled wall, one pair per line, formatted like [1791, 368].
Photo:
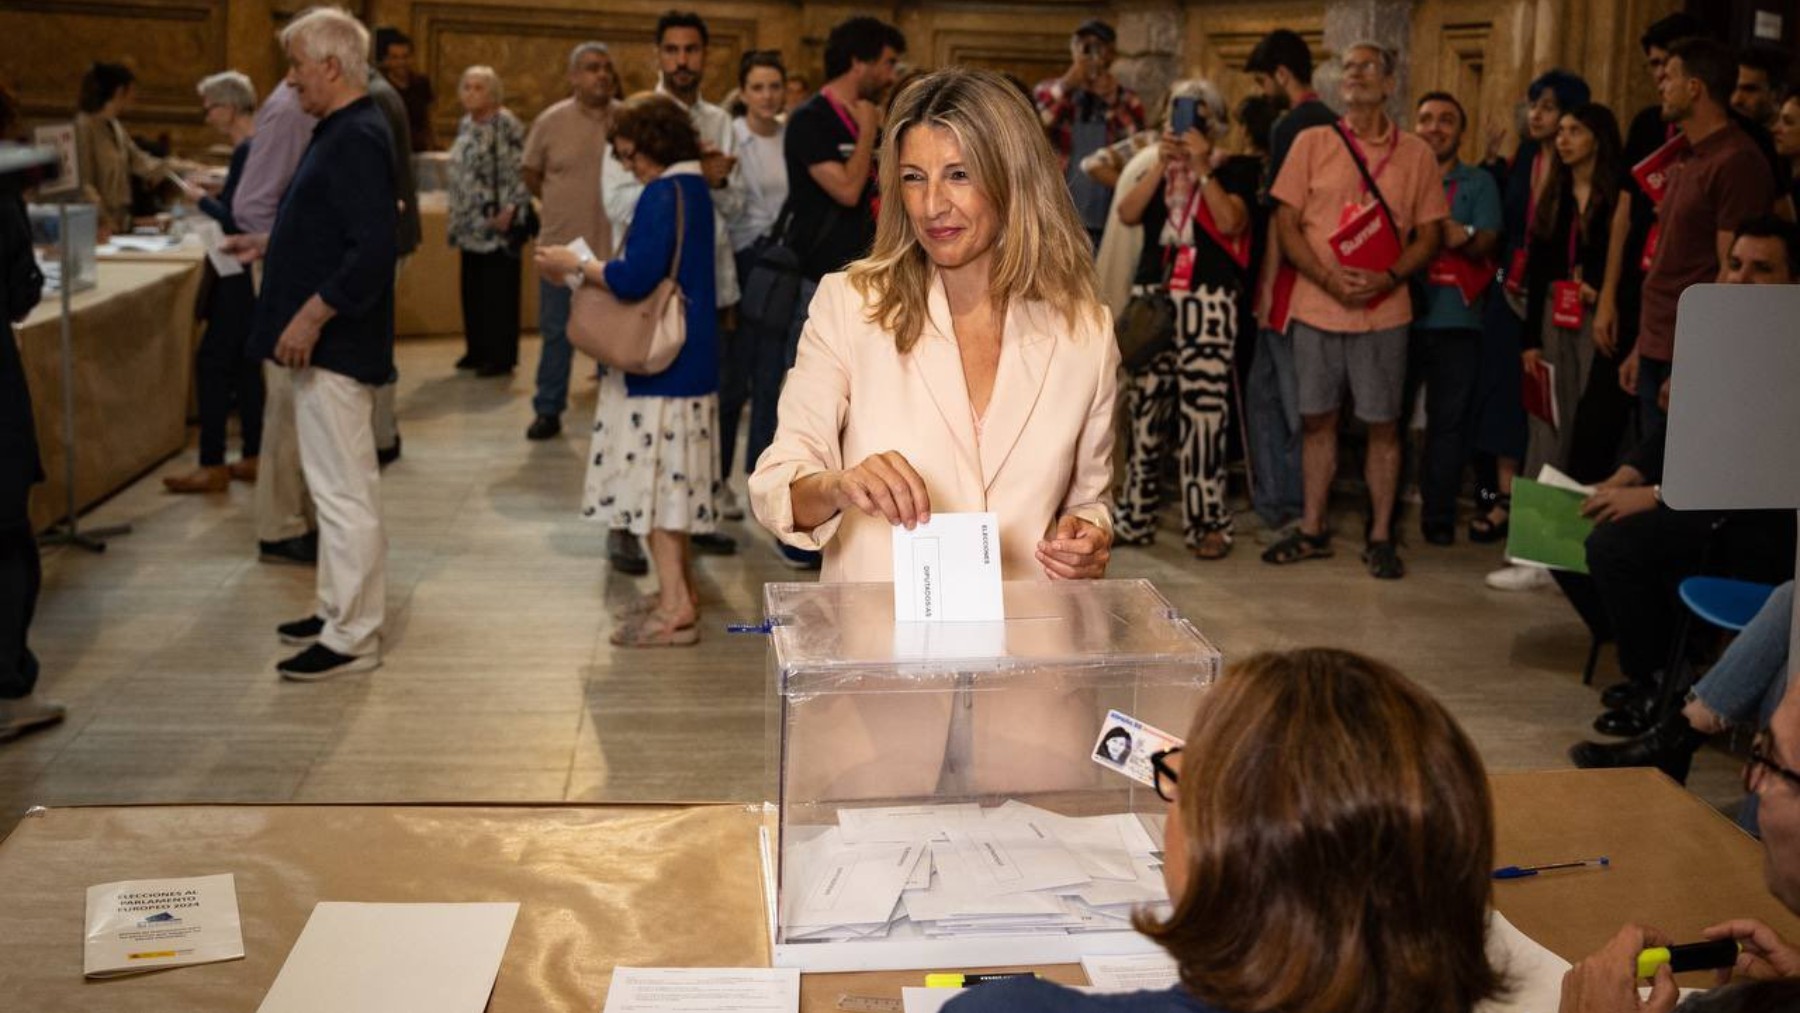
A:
[1483, 50]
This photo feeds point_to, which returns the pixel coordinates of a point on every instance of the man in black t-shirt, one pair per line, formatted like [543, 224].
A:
[830, 154]
[830, 150]
[1282, 66]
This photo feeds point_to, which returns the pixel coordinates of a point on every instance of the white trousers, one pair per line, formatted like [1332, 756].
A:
[283, 509]
[337, 452]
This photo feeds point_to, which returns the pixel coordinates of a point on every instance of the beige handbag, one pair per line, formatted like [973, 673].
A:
[641, 337]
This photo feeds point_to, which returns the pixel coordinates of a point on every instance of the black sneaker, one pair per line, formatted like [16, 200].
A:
[544, 427]
[626, 555]
[466, 364]
[492, 369]
[714, 544]
[301, 549]
[319, 662]
[385, 456]
[301, 632]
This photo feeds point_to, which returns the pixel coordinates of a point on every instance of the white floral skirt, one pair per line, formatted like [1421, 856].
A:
[653, 463]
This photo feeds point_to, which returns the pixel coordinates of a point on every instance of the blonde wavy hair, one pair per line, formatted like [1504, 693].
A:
[1042, 253]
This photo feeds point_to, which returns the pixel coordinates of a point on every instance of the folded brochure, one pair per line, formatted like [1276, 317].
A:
[148, 924]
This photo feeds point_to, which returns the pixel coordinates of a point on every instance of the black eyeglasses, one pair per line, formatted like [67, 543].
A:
[1762, 763]
[1164, 773]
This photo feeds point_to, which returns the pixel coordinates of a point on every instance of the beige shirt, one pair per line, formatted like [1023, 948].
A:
[567, 149]
[109, 159]
[1044, 448]
[1320, 179]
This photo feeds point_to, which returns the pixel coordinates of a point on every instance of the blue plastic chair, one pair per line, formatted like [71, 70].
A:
[1725, 603]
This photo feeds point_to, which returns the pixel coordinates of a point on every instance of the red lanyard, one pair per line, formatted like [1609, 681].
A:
[1187, 217]
[842, 113]
[1393, 146]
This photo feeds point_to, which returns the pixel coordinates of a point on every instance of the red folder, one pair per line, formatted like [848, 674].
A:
[1540, 393]
[1470, 278]
[1653, 172]
[1367, 242]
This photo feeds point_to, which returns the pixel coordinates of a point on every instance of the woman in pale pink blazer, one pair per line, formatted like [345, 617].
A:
[966, 364]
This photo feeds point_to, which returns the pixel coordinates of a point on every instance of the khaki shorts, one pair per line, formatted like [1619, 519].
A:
[1371, 364]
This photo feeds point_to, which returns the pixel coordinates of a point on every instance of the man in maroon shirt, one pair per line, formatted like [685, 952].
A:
[1721, 181]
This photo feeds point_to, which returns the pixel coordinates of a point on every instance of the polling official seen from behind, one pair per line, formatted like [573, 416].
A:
[1316, 786]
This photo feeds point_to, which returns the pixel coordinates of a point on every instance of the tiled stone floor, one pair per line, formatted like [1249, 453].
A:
[499, 683]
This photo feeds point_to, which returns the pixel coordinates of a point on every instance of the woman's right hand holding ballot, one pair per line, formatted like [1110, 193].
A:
[1763, 955]
[883, 485]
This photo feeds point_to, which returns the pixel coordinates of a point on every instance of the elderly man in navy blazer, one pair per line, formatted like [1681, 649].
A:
[327, 313]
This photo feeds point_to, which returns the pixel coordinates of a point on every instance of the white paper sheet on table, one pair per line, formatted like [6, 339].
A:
[948, 570]
[1131, 972]
[394, 958]
[703, 990]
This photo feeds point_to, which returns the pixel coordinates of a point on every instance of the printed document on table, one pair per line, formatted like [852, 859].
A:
[149, 924]
[948, 570]
[704, 990]
[394, 958]
[1132, 972]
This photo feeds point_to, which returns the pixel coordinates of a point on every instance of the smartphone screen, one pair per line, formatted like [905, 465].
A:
[1181, 120]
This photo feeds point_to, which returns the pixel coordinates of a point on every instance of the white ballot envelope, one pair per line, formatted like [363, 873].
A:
[948, 570]
[581, 247]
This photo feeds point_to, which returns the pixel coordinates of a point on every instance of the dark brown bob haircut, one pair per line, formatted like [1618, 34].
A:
[658, 128]
[1340, 840]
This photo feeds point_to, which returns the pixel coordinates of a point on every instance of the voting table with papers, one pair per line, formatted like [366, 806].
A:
[956, 791]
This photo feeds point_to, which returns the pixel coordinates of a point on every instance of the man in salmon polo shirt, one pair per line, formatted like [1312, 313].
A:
[1351, 310]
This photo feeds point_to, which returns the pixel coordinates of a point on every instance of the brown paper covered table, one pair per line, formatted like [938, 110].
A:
[428, 289]
[602, 886]
[133, 348]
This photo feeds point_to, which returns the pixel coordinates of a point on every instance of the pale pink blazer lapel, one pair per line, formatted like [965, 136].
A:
[1026, 349]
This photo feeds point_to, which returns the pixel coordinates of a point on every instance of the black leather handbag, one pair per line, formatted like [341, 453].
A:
[1146, 327]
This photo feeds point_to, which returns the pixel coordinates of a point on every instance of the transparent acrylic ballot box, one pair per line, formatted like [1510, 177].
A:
[940, 803]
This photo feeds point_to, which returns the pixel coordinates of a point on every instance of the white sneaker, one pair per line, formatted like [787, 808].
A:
[730, 507]
[1519, 577]
[25, 713]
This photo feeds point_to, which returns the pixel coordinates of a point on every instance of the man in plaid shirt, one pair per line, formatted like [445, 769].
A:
[1085, 110]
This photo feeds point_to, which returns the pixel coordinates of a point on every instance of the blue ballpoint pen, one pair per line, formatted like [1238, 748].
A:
[1521, 871]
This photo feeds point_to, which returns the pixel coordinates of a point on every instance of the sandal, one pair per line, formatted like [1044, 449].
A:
[1298, 546]
[1383, 561]
[650, 631]
[637, 609]
[1483, 528]
[1213, 545]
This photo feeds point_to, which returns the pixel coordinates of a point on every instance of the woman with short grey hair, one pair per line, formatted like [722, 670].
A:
[487, 199]
[231, 89]
[225, 378]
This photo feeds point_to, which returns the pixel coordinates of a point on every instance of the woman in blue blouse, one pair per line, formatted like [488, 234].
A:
[1329, 847]
[654, 462]
[225, 377]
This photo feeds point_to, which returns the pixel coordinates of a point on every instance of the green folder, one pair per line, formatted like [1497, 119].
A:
[1547, 527]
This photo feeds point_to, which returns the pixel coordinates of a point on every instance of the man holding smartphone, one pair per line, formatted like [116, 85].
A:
[1085, 110]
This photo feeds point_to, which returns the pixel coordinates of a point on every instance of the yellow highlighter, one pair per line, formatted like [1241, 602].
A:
[1688, 957]
[960, 980]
